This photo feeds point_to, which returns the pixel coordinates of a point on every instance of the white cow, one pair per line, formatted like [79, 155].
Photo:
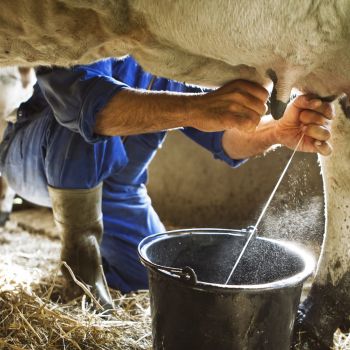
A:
[16, 86]
[295, 43]
[302, 43]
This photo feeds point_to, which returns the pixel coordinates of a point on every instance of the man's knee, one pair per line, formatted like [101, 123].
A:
[73, 163]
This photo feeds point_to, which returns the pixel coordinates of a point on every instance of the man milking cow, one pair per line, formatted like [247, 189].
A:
[82, 145]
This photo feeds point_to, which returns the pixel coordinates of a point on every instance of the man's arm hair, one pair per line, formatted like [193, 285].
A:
[237, 104]
[132, 112]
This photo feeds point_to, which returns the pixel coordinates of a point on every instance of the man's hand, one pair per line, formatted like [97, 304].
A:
[310, 116]
[239, 104]
[303, 115]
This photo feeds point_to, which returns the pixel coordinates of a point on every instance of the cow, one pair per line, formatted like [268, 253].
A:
[302, 44]
[16, 86]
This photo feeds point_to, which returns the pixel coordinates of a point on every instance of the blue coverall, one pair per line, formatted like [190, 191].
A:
[53, 143]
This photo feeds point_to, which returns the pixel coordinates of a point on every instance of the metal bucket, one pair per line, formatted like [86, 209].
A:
[191, 307]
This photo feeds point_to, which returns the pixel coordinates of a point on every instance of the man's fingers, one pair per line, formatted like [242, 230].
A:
[326, 109]
[253, 89]
[308, 116]
[237, 104]
[248, 101]
[317, 132]
[306, 102]
[323, 148]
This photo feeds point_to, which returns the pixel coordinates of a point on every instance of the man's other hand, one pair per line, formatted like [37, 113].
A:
[310, 116]
[239, 104]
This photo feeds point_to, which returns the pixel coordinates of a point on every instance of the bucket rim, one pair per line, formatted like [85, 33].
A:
[187, 275]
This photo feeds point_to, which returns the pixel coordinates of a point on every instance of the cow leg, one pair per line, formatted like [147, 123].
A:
[328, 303]
[7, 195]
[78, 216]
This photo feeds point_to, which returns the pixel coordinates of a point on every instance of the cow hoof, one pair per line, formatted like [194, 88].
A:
[304, 342]
[304, 336]
[324, 310]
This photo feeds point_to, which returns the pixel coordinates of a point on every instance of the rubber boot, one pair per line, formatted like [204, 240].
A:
[78, 215]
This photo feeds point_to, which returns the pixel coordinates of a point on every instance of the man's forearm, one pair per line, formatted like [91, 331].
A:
[239, 145]
[132, 112]
[238, 104]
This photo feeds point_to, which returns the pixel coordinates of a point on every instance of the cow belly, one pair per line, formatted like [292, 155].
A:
[61, 32]
[201, 42]
[211, 43]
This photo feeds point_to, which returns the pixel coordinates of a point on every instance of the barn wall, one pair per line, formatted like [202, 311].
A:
[191, 189]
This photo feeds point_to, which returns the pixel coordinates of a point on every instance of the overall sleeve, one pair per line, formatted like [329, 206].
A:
[212, 141]
[77, 94]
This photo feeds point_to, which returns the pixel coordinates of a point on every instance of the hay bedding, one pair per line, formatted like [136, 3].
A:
[32, 314]
[30, 321]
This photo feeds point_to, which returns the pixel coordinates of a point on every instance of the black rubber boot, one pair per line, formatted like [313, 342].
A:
[78, 216]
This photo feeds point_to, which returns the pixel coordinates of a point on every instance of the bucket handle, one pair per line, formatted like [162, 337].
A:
[185, 274]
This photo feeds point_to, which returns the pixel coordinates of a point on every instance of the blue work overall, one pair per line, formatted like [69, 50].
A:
[53, 143]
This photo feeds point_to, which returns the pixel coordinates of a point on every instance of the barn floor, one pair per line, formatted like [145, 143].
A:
[32, 314]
